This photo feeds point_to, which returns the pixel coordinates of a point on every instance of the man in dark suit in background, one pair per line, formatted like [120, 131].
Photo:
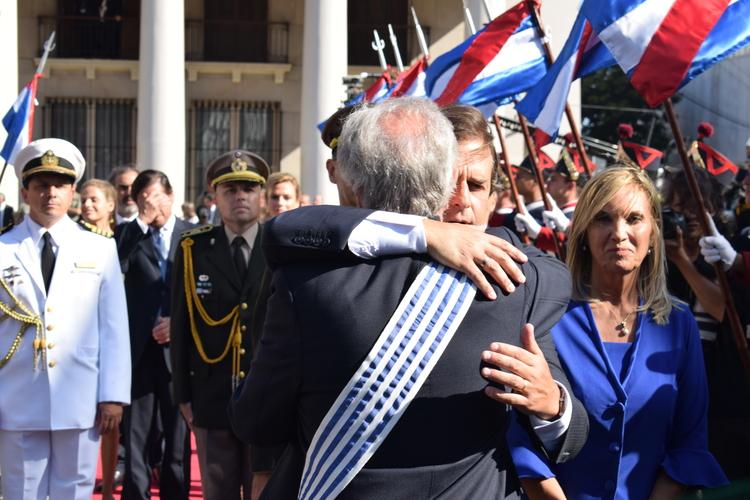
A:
[7, 212]
[146, 247]
[225, 269]
[324, 317]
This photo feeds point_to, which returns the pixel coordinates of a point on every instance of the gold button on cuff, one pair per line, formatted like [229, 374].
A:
[52, 364]
[243, 306]
[50, 328]
[242, 352]
[242, 374]
[243, 328]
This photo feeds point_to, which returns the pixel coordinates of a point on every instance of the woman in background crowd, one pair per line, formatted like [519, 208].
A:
[282, 193]
[632, 355]
[98, 199]
[98, 202]
[693, 280]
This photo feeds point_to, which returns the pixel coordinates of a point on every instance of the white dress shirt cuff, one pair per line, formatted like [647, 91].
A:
[387, 233]
[550, 432]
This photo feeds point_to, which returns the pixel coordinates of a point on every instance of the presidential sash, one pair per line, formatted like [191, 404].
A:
[387, 381]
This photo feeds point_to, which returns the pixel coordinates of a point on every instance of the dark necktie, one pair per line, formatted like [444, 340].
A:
[239, 257]
[48, 260]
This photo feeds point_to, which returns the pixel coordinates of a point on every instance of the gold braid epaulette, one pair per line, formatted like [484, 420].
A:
[194, 302]
[92, 228]
[27, 318]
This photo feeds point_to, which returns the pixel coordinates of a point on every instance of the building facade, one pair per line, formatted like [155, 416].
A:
[169, 84]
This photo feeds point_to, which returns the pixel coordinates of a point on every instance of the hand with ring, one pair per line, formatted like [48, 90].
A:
[525, 372]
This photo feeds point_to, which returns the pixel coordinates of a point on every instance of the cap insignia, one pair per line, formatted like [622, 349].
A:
[239, 165]
[50, 160]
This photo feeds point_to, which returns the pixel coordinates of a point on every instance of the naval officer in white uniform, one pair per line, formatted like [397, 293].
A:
[64, 343]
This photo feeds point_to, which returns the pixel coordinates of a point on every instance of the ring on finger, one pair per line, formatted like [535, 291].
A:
[485, 260]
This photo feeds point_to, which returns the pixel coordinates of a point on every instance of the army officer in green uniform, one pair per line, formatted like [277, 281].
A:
[218, 294]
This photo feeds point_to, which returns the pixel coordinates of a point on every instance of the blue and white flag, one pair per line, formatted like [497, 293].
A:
[503, 59]
[19, 122]
[663, 44]
[544, 103]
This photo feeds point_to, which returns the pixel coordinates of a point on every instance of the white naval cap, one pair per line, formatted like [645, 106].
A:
[56, 156]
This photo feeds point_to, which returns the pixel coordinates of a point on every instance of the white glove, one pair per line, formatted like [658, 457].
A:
[716, 248]
[555, 219]
[524, 222]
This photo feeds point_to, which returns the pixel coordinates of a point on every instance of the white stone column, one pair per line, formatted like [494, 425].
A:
[161, 91]
[9, 86]
[324, 63]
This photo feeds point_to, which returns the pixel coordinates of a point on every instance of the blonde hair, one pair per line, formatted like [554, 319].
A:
[651, 281]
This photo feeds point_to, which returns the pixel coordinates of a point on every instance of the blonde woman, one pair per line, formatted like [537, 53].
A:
[98, 201]
[633, 357]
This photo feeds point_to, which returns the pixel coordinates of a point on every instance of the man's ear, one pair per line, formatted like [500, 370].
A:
[331, 167]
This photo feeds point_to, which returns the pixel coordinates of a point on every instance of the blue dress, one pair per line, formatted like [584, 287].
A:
[654, 419]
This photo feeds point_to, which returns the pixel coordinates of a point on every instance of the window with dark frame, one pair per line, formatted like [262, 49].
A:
[103, 129]
[216, 127]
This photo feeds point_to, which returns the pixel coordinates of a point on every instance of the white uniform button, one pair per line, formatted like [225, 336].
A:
[50, 328]
[52, 364]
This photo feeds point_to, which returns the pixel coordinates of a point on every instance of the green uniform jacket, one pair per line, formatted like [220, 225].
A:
[208, 386]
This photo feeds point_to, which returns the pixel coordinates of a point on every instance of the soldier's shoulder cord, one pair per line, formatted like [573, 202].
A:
[93, 229]
[196, 231]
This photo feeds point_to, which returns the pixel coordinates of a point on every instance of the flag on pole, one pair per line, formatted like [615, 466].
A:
[375, 92]
[545, 102]
[411, 81]
[663, 44]
[498, 62]
[19, 121]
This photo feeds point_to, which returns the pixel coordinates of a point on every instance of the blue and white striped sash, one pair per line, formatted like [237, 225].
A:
[386, 382]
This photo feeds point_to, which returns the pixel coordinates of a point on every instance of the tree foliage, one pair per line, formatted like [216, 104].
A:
[611, 88]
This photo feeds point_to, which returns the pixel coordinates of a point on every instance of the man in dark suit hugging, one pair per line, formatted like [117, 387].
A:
[370, 369]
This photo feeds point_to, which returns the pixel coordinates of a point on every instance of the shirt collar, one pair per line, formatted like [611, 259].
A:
[249, 235]
[57, 231]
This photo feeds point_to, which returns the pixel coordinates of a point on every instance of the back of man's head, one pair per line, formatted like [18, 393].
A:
[399, 156]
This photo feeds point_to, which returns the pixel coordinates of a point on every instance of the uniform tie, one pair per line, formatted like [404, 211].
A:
[48, 260]
[238, 255]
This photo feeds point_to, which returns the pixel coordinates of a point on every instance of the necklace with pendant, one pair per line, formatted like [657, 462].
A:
[622, 326]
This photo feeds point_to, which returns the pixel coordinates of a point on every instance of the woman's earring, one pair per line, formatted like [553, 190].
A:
[649, 250]
[584, 247]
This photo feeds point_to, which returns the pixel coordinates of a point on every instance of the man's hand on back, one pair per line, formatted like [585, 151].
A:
[473, 252]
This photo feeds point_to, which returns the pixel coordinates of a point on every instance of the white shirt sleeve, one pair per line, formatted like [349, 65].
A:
[550, 432]
[387, 233]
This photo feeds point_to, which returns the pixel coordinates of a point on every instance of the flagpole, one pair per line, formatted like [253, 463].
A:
[396, 52]
[49, 46]
[568, 111]
[378, 45]
[506, 167]
[731, 310]
[420, 35]
[534, 160]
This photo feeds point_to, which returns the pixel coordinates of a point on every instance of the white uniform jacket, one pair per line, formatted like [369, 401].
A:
[86, 325]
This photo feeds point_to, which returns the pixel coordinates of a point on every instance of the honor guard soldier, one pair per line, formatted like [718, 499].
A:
[218, 304]
[64, 346]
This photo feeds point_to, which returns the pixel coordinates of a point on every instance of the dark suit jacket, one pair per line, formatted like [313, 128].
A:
[323, 317]
[7, 216]
[148, 295]
[208, 386]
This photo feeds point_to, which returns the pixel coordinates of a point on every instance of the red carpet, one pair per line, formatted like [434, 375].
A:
[195, 477]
